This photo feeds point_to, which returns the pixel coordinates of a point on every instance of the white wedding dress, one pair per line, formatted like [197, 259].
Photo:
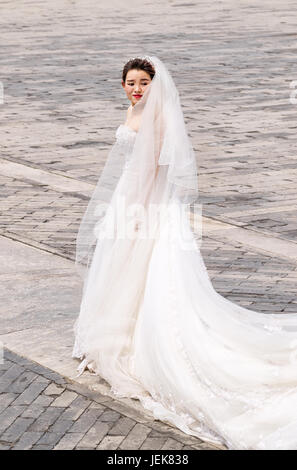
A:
[153, 326]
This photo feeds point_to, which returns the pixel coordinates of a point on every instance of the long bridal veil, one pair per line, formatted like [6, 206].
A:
[162, 171]
[162, 167]
[245, 359]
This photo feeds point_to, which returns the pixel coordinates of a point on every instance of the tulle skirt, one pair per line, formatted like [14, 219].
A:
[152, 325]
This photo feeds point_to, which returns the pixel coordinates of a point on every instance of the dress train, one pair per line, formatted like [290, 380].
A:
[152, 325]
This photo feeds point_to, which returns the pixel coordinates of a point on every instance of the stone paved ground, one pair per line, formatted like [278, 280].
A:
[233, 63]
[41, 410]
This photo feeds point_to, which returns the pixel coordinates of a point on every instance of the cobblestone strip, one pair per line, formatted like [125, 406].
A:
[40, 409]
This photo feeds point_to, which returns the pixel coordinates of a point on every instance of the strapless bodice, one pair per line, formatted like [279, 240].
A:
[125, 137]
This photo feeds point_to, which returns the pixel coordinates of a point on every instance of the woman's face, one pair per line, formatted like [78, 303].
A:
[136, 83]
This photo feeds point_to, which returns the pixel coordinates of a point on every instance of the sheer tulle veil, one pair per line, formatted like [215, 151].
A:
[151, 323]
[162, 167]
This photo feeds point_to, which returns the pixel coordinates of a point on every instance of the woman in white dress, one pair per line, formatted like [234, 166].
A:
[151, 323]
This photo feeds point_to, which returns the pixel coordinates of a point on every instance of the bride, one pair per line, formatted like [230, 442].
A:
[151, 323]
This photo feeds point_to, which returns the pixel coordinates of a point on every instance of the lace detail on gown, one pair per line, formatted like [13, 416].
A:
[126, 136]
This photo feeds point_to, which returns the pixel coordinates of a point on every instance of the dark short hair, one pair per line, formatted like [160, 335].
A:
[139, 64]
